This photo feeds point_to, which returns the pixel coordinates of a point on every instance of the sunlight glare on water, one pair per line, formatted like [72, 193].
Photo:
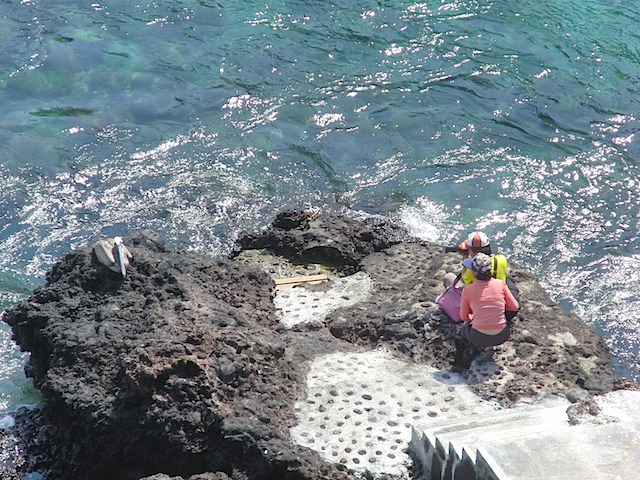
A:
[202, 121]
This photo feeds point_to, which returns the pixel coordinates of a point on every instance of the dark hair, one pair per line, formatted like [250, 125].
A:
[486, 250]
[483, 275]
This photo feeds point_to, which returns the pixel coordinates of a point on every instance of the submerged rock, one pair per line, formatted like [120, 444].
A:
[184, 369]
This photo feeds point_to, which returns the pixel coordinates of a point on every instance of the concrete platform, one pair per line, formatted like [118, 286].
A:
[591, 452]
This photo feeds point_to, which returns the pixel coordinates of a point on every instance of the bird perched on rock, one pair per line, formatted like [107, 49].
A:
[112, 253]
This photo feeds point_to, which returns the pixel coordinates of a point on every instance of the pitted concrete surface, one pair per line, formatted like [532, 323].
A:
[360, 408]
[307, 305]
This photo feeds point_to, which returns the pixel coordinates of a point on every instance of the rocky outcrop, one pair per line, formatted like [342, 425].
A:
[182, 368]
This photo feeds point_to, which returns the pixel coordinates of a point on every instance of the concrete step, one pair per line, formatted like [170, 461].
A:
[503, 424]
[536, 443]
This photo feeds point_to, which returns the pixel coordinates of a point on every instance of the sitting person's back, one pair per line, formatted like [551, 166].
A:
[484, 304]
[487, 300]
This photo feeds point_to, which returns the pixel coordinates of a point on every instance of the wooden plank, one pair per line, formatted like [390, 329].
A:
[301, 279]
[290, 282]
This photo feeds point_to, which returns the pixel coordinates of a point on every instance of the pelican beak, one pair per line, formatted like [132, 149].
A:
[119, 256]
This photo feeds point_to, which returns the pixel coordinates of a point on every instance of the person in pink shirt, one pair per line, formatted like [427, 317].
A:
[483, 305]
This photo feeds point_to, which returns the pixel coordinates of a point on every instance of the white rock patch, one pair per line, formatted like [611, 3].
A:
[302, 305]
[360, 408]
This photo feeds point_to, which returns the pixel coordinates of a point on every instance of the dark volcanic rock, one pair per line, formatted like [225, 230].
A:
[338, 241]
[551, 350]
[181, 370]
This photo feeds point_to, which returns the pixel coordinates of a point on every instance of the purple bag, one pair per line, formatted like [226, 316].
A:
[450, 300]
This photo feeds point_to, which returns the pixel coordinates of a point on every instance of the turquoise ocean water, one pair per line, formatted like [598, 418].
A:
[202, 120]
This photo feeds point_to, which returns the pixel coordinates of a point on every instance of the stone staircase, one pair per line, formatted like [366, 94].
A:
[535, 443]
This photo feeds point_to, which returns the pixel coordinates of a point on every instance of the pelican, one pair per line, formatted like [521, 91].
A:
[113, 254]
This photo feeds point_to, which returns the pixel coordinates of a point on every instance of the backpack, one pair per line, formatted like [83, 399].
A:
[499, 271]
[499, 267]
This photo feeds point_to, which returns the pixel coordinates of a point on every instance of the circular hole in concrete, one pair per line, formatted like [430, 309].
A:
[366, 396]
[356, 460]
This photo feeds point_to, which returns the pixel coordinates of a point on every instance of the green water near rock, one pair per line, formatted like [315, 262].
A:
[201, 121]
